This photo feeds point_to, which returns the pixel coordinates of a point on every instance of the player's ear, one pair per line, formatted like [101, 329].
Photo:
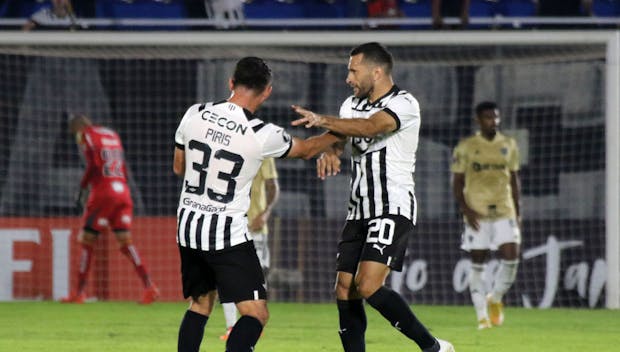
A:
[231, 84]
[377, 72]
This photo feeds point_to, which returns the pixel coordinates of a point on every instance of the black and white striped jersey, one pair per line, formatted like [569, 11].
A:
[224, 146]
[382, 167]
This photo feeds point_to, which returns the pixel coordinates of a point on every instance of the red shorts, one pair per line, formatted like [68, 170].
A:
[108, 211]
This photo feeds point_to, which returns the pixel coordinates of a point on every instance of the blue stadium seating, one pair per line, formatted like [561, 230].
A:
[274, 9]
[606, 8]
[517, 8]
[141, 9]
[483, 8]
[24, 8]
[323, 9]
[295, 9]
[420, 8]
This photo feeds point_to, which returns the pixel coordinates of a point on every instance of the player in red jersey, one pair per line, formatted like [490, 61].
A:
[108, 205]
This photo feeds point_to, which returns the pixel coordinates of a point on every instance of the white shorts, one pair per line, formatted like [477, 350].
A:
[262, 249]
[491, 235]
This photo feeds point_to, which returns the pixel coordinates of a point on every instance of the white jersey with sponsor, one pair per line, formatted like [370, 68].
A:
[224, 146]
[382, 167]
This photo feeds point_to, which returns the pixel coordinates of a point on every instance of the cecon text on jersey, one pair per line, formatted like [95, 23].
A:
[223, 121]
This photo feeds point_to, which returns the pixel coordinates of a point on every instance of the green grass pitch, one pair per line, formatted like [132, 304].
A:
[123, 326]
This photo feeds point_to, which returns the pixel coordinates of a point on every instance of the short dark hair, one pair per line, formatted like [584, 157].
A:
[485, 105]
[375, 53]
[252, 72]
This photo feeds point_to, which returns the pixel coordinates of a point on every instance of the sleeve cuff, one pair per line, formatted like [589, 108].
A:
[393, 114]
[290, 145]
[179, 145]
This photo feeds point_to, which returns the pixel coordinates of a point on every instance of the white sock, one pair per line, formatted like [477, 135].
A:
[230, 314]
[477, 291]
[505, 278]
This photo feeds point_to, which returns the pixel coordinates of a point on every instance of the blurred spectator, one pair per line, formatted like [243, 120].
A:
[564, 8]
[450, 8]
[59, 15]
[384, 8]
[227, 13]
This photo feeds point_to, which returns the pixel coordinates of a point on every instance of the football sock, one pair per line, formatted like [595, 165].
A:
[477, 290]
[504, 279]
[85, 259]
[191, 331]
[352, 325]
[393, 308]
[244, 335]
[131, 253]
[435, 348]
[230, 314]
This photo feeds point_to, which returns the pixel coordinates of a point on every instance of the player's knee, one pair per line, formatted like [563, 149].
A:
[123, 238]
[342, 289]
[366, 287]
[263, 316]
[87, 238]
[201, 304]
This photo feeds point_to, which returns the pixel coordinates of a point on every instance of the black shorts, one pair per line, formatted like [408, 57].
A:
[382, 240]
[235, 272]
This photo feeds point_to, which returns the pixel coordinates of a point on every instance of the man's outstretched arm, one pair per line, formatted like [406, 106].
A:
[378, 123]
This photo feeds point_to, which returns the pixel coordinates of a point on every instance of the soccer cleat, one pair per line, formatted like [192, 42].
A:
[149, 295]
[445, 346]
[225, 336]
[77, 298]
[496, 311]
[484, 323]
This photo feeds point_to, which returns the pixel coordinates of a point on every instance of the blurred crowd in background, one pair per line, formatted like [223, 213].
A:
[434, 11]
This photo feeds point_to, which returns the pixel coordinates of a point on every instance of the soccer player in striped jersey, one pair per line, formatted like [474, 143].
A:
[219, 149]
[486, 185]
[109, 205]
[383, 123]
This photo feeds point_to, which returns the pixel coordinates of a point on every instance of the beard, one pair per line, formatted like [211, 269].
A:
[360, 92]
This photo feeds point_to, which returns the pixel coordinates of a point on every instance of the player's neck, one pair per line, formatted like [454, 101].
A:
[489, 136]
[380, 89]
[247, 102]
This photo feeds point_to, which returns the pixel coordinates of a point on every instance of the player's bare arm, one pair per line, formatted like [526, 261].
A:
[458, 185]
[378, 123]
[178, 166]
[515, 186]
[272, 192]
[311, 146]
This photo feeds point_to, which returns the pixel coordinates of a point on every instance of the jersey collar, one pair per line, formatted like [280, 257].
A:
[392, 91]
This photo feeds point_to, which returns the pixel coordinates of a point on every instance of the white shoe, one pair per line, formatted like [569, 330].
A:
[445, 346]
[484, 323]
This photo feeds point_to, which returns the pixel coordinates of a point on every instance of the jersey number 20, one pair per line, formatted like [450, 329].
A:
[201, 167]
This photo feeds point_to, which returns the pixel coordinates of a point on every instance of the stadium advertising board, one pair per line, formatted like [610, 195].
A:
[562, 263]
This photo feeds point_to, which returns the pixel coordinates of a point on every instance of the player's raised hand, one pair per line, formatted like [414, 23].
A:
[328, 164]
[308, 118]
